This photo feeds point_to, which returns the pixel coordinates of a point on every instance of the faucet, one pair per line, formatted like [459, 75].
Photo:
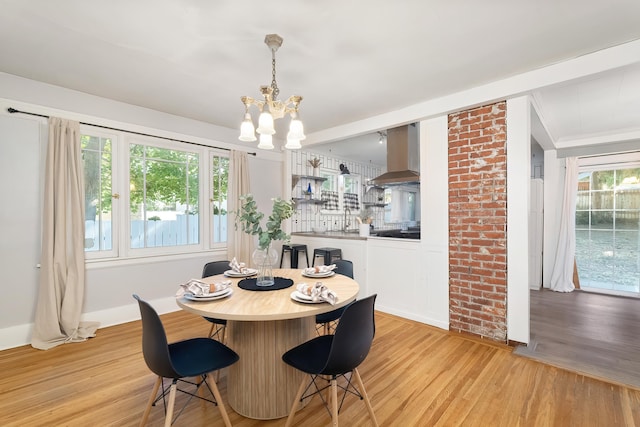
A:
[346, 223]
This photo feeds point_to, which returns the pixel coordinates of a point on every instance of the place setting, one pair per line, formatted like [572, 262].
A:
[319, 271]
[197, 290]
[314, 294]
[239, 269]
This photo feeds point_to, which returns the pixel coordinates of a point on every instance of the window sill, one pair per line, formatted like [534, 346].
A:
[91, 264]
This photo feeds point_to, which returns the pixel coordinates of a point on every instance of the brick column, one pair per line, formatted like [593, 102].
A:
[478, 221]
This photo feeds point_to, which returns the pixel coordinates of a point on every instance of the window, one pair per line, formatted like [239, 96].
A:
[163, 197]
[151, 194]
[341, 191]
[219, 185]
[608, 229]
[98, 167]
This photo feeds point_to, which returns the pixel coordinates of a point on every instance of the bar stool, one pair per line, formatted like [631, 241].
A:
[328, 255]
[294, 252]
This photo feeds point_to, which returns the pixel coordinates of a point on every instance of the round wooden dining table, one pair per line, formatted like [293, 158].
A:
[261, 327]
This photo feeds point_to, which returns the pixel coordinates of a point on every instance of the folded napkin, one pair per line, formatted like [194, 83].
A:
[238, 267]
[200, 288]
[318, 292]
[320, 269]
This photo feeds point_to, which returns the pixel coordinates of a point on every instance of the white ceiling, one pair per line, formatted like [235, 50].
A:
[349, 60]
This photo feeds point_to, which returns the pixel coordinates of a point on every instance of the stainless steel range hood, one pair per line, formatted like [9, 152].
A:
[402, 153]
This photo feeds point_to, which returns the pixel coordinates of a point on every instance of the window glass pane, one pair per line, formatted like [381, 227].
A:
[331, 184]
[164, 191]
[602, 180]
[602, 199]
[97, 163]
[219, 186]
[602, 220]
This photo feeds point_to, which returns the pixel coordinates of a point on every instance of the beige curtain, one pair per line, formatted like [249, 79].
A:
[239, 245]
[62, 273]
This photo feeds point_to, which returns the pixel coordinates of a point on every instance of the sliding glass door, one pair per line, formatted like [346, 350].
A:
[608, 229]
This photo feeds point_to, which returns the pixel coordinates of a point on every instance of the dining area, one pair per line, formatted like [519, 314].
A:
[261, 326]
[266, 328]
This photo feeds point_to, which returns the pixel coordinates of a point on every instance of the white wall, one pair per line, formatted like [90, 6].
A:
[434, 230]
[518, 179]
[109, 284]
[20, 163]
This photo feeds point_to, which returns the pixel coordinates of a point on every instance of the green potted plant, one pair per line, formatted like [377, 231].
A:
[250, 218]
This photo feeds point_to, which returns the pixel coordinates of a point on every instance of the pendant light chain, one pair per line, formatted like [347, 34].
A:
[274, 85]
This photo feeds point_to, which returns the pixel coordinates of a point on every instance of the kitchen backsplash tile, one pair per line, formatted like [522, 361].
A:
[309, 215]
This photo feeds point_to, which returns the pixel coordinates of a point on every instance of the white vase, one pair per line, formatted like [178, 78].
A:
[263, 260]
[364, 230]
[316, 171]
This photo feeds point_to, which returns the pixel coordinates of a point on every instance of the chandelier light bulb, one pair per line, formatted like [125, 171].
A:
[296, 129]
[265, 124]
[292, 143]
[266, 141]
[247, 131]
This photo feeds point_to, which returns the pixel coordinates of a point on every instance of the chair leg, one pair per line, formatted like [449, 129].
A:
[216, 394]
[147, 409]
[213, 325]
[365, 396]
[334, 402]
[296, 402]
[172, 401]
[223, 337]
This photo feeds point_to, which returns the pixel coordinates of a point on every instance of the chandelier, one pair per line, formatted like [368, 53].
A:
[271, 109]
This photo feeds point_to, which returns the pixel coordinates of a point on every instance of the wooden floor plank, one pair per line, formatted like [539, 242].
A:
[593, 334]
[415, 375]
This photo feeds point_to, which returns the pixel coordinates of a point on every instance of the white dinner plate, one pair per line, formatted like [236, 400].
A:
[300, 297]
[209, 297]
[318, 275]
[250, 272]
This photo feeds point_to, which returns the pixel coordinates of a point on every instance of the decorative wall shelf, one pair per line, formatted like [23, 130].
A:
[374, 205]
[296, 178]
[300, 200]
[372, 187]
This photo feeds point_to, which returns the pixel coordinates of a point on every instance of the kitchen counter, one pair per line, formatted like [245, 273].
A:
[350, 235]
[411, 233]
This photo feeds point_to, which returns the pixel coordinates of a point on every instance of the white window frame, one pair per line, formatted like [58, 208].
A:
[116, 194]
[210, 202]
[121, 225]
[340, 189]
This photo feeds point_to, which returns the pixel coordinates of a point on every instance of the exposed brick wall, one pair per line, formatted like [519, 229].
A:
[478, 221]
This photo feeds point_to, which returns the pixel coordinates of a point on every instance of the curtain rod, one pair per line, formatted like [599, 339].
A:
[13, 110]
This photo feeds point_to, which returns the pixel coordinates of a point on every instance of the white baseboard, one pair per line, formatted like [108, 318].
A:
[19, 335]
[432, 321]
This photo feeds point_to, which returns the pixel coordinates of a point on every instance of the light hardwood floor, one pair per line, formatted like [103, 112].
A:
[589, 333]
[416, 375]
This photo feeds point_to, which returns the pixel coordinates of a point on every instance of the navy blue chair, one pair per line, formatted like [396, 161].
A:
[333, 356]
[326, 322]
[196, 357]
[218, 326]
